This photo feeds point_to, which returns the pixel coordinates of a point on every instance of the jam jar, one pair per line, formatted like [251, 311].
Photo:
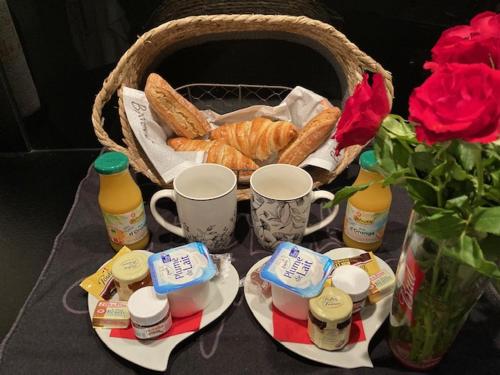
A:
[130, 273]
[149, 313]
[329, 322]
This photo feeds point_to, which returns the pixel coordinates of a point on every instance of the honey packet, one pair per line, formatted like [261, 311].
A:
[100, 284]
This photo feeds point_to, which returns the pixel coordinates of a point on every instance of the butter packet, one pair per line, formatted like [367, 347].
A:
[381, 285]
[111, 314]
[297, 269]
[100, 284]
[181, 267]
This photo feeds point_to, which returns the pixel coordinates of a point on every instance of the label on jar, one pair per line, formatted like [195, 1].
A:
[127, 228]
[153, 331]
[329, 337]
[364, 226]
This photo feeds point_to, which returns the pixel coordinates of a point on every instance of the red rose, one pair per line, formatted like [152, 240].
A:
[487, 24]
[477, 43]
[458, 102]
[363, 113]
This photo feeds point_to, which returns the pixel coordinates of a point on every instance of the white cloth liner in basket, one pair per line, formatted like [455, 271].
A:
[299, 106]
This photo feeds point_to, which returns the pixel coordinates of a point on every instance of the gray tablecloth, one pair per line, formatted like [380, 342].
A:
[53, 333]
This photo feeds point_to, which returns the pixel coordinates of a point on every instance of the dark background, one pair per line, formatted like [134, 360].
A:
[43, 156]
[397, 33]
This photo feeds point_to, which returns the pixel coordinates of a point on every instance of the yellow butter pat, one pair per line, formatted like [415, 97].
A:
[381, 285]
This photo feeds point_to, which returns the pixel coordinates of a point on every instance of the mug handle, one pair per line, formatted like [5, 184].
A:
[165, 224]
[322, 194]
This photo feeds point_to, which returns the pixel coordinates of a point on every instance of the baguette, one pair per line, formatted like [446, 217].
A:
[313, 135]
[172, 110]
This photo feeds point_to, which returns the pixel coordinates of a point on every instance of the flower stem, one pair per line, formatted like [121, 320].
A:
[480, 178]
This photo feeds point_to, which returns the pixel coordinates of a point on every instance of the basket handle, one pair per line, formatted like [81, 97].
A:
[110, 86]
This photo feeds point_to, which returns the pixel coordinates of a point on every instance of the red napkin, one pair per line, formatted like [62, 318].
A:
[288, 329]
[179, 325]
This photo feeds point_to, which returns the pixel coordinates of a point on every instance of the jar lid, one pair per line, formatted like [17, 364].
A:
[146, 307]
[353, 280]
[130, 267]
[331, 306]
[111, 162]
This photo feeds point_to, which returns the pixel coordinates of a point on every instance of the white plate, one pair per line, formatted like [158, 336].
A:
[353, 355]
[154, 354]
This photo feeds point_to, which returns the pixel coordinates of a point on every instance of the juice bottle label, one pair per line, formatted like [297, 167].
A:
[364, 226]
[127, 228]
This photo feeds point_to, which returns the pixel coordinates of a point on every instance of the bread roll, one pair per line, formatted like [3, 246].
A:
[172, 110]
[313, 135]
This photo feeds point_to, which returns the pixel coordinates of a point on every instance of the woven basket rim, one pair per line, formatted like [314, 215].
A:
[352, 60]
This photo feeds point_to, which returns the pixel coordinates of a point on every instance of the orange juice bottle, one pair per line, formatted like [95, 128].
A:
[367, 210]
[121, 202]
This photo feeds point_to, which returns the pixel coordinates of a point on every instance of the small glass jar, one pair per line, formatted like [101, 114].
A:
[355, 282]
[149, 313]
[329, 323]
[130, 273]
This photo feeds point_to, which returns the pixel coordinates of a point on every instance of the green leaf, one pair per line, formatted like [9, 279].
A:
[458, 172]
[441, 226]
[495, 177]
[461, 202]
[345, 193]
[401, 154]
[396, 177]
[468, 251]
[439, 170]
[492, 194]
[397, 127]
[423, 161]
[385, 156]
[469, 154]
[421, 190]
[487, 220]
[425, 210]
[491, 247]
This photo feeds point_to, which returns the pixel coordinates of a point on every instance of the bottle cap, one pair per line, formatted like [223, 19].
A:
[111, 162]
[368, 160]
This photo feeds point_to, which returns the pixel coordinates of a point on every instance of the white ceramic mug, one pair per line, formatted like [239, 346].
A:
[280, 204]
[205, 196]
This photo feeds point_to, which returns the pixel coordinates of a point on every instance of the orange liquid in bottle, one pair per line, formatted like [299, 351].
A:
[367, 210]
[121, 203]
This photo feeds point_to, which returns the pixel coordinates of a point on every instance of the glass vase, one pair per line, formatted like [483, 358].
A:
[432, 299]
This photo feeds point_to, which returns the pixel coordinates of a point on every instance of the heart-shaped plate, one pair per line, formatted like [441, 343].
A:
[154, 354]
[351, 356]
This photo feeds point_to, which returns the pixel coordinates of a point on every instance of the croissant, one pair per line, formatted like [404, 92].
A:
[217, 152]
[258, 139]
[313, 135]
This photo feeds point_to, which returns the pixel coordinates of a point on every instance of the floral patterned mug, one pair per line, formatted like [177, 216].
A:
[280, 204]
[205, 196]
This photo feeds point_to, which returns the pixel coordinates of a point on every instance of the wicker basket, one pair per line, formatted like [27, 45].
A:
[143, 56]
